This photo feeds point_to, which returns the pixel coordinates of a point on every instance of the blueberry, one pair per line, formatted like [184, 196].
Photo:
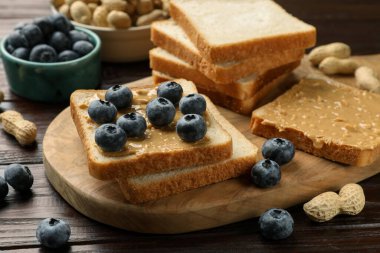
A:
[43, 53]
[265, 173]
[3, 188]
[16, 40]
[192, 104]
[19, 26]
[110, 137]
[45, 25]
[276, 224]
[133, 124]
[9, 48]
[19, 177]
[102, 111]
[191, 127]
[53, 233]
[279, 150]
[160, 112]
[170, 90]
[67, 55]
[83, 47]
[22, 53]
[120, 96]
[59, 41]
[75, 36]
[33, 34]
[61, 23]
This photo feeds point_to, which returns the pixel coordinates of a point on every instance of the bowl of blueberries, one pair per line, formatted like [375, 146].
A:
[47, 59]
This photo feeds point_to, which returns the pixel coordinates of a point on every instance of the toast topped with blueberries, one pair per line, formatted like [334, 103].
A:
[164, 145]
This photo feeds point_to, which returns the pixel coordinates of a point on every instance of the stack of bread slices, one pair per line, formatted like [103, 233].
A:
[236, 52]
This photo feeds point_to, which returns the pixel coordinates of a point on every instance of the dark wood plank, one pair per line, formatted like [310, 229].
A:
[20, 216]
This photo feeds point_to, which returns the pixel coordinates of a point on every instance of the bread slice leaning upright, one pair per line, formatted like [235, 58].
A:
[160, 150]
[226, 30]
[145, 188]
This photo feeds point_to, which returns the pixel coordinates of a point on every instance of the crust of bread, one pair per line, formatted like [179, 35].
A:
[159, 186]
[243, 50]
[339, 153]
[218, 73]
[244, 107]
[237, 90]
[149, 162]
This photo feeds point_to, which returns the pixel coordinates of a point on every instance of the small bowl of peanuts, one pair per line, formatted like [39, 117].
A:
[122, 25]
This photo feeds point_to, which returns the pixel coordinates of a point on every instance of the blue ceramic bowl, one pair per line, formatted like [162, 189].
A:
[53, 82]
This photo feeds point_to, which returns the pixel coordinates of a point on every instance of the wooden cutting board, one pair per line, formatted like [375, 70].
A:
[211, 206]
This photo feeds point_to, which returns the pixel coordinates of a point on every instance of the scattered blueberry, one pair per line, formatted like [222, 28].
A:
[75, 36]
[22, 53]
[19, 177]
[279, 150]
[160, 112]
[133, 124]
[120, 96]
[67, 55]
[83, 47]
[110, 137]
[33, 34]
[45, 25]
[191, 127]
[59, 41]
[61, 23]
[266, 173]
[170, 90]
[102, 111]
[192, 104]
[276, 224]
[53, 233]
[43, 53]
[3, 188]
[16, 40]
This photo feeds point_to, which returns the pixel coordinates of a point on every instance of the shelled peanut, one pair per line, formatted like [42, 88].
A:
[324, 207]
[23, 130]
[118, 14]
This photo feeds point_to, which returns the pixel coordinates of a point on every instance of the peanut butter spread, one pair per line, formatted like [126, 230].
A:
[327, 113]
[155, 139]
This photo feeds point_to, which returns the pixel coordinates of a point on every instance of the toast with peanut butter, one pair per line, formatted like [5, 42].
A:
[330, 120]
[226, 30]
[243, 89]
[160, 149]
[170, 37]
[242, 106]
[144, 188]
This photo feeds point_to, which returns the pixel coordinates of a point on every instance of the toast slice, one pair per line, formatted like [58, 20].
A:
[170, 37]
[225, 30]
[160, 150]
[330, 120]
[243, 89]
[245, 107]
[158, 185]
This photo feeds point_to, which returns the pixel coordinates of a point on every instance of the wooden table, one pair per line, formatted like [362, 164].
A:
[356, 22]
